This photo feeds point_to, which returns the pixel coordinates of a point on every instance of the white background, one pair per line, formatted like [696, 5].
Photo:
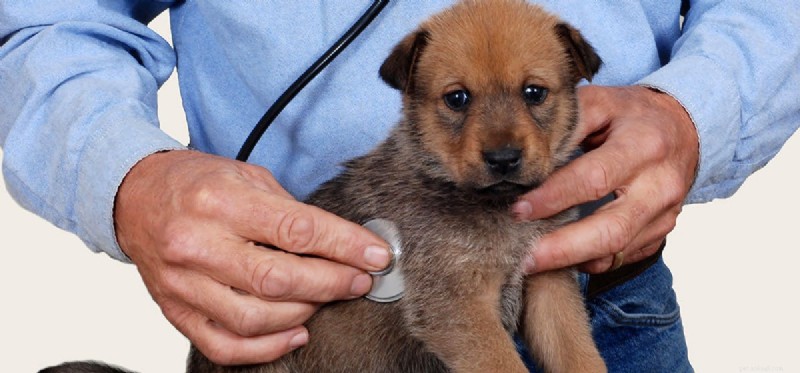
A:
[733, 262]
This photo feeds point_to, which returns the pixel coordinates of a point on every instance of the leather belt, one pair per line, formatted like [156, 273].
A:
[603, 282]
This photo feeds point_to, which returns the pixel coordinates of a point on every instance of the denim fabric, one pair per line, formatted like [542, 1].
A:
[637, 325]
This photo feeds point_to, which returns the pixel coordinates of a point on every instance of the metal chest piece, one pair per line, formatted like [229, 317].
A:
[388, 284]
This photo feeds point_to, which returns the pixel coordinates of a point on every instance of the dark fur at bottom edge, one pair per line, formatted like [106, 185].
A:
[85, 367]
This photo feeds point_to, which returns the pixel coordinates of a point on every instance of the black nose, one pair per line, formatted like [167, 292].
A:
[504, 161]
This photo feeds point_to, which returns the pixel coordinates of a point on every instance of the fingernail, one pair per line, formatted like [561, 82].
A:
[361, 285]
[522, 210]
[377, 257]
[300, 339]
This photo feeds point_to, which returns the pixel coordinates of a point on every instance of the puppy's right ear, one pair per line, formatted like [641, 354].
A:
[398, 69]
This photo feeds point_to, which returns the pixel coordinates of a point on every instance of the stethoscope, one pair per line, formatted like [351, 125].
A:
[387, 285]
[320, 64]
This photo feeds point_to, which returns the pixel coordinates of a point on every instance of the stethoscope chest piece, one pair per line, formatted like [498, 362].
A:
[387, 285]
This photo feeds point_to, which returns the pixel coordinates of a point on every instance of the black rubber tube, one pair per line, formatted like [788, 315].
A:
[303, 80]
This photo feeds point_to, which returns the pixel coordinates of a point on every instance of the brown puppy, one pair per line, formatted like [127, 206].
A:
[489, 110]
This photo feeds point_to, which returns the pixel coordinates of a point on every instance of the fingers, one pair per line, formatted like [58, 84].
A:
[240, 313]
[280, 276]
[596, 236]
[266, 273]
[304, 229]
[646, 243]
[607, 264]
[629, 225]
[588, 178]
[226, 348]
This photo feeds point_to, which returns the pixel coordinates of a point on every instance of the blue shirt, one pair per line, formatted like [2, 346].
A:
[78, 85]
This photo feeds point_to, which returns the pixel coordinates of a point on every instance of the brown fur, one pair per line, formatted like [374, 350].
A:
[465, 292]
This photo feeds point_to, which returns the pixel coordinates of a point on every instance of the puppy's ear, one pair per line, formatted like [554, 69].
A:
[585, 59]
[397, 70]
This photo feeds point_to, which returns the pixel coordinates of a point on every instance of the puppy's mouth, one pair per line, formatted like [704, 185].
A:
[505, 188]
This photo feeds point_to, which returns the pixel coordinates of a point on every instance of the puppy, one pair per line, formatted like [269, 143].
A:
[489, 111]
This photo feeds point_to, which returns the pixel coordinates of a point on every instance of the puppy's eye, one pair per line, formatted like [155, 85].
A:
[534, 94]
[457, 100]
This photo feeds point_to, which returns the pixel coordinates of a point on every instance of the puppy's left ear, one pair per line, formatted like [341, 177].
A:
[398, 69]
[585, 59]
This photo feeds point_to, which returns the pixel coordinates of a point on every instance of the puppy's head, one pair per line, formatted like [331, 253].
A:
[489, 93]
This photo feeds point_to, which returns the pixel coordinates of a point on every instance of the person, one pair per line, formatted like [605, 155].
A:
[681, 112]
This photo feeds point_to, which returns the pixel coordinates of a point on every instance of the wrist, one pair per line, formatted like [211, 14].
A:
[138, 190]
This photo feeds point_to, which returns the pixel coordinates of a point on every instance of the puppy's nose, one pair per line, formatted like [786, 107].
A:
[504, 161]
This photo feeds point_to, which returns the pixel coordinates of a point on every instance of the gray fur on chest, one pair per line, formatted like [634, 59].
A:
[453, 256]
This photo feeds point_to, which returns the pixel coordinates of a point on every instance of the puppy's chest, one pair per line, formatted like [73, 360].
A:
[489, 242]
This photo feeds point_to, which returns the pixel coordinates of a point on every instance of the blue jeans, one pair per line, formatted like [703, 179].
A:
[637, 325]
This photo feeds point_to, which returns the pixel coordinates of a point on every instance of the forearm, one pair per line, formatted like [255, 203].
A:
[78, 87]
[734, 70]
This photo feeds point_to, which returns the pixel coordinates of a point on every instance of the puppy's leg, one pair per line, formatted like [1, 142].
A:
[462, 326]
[556, 326]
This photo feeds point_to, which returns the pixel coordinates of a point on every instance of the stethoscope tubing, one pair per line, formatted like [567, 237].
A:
[307, 76]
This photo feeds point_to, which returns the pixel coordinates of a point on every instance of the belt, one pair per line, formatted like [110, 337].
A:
[603, 282]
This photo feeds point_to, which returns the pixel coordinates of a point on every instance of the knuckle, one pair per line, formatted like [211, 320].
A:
[250, 322]
[649, 142]
[597, 266]
[171, 284]
[670, 221]
[560, 252]
[669, 226]
[219, 352]
[177, 315]
[590, 92]
[675, 211]
[618, 232]
[598, 180]
[344, 244]
[644, 252]
[271, 280]
[657, 144]
[674, 190]
[563, 256]
[296, 232]
[673, 197]
[205, 198]
[179, 247]
[257, 172]
[637, 211]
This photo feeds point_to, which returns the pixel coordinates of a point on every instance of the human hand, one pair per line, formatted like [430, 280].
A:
[642, 146]
[192, 223]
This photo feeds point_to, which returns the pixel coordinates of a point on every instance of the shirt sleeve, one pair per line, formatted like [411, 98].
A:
[735, 71]
[78, 85]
